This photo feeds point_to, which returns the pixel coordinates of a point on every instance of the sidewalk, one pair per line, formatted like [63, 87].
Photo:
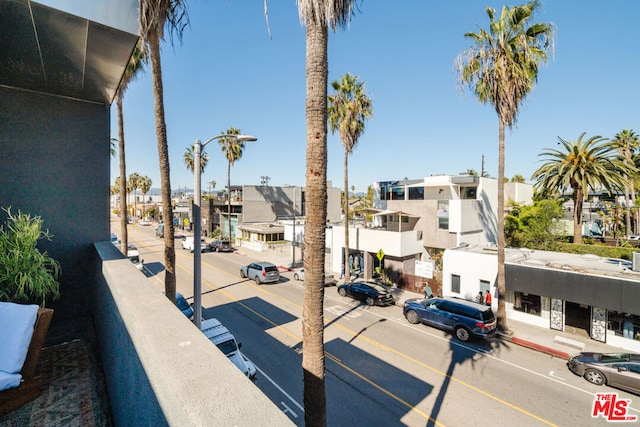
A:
[555, 343]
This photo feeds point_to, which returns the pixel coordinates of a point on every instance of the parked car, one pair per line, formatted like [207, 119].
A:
[464, 318]
[220, 246]
[260, 272]
[183, 305]
[114, 240]
[134, 257]
[369, 292]
[329, 279]
[190, 244]
[620, 370]
[144, 222]
[219, 335]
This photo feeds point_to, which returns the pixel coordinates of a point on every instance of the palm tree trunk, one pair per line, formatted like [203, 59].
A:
[347, 270]
[313, 362]
[124, 236]
[229, 200]
[163, 154]
[578, 201]
[501, 279]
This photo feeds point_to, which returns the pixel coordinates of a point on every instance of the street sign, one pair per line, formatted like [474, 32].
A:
[380, 255]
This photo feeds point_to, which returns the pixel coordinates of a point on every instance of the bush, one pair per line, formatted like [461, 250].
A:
[26, 274]
[600, 250]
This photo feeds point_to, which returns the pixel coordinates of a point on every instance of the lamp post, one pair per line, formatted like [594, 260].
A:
[197, 226]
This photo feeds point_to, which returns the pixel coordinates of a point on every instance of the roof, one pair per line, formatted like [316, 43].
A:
[587, 263]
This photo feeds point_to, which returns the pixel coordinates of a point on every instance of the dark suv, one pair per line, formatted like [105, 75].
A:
[464, 318]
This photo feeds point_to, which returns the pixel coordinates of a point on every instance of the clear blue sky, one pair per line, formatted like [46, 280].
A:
[227, 72]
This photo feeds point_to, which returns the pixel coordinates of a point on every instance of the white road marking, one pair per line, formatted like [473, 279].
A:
[281, 390]
[553, 374]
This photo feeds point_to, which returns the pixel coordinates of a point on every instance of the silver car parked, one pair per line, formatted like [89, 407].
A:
[260, 272]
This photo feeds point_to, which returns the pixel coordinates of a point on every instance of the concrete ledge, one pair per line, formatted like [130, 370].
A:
[160, 369]
[569, 342]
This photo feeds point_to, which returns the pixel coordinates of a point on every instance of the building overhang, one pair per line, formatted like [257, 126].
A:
[76, 50]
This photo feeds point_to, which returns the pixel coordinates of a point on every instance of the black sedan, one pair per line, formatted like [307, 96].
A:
[369, 292]
[620, 370]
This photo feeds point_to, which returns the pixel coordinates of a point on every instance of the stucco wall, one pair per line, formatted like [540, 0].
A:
[55, 163]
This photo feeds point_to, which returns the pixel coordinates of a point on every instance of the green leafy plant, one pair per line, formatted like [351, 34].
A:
[26, 274]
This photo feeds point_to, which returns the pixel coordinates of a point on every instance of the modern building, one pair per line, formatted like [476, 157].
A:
[417, 219]
[590, 296]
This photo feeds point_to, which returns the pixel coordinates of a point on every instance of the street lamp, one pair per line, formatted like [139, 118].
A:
[197, 225]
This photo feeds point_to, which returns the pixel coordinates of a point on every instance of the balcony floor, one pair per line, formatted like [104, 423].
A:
[73, 386]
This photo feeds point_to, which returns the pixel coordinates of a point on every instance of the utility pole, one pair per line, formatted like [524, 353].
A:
[482, 168]
[264, 180]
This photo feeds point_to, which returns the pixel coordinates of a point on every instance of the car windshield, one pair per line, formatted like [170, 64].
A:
[227, 346]
[612, 358]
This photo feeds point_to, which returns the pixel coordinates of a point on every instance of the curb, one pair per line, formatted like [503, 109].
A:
[534, 346]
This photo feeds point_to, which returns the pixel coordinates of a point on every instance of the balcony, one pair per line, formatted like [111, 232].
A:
[156, 367]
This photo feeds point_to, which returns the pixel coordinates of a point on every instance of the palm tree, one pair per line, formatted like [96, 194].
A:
[134, 184]
[188, 159]
[581, 166]
[212, 186]
[145, 186]
[317, 16]
[136, 63]
[518, 178]
[112, 146]
[349, 108]
[154, 16]
[627, 142]
[232, 149]
[501, 69]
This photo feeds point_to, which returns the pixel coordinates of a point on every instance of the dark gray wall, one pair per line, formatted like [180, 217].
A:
[55, 164]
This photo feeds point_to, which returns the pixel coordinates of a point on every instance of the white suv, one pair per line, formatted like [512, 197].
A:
[189, 243]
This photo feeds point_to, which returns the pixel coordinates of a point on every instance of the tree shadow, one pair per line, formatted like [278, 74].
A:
[460, 354]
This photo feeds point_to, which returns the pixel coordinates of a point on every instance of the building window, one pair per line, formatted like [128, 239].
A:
[455, 283]
[443, 214]
[397, 193]
[416, 193]
[468, 192]
[527, 303]
[624, 324]
[485, 285]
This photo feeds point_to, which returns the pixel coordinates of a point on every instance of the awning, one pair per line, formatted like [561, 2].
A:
[391, 212]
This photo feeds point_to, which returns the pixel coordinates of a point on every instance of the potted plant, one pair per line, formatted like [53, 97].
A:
[27, 276]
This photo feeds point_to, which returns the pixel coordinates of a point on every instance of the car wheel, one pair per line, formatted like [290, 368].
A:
[342, 292]
[462, 333]
[257, 279]
[242, 274]
[295, 276]
[369, 301]
[412, 317]
[594, 376]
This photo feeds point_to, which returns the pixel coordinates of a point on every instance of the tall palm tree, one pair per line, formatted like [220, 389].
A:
[501, 69]
[155, 15]
[145, 186]
[349, 109]
[212, 186]
[232, 150]
[581, 166]
[188, 159]
[627, 142]
[134, 184]
[317, 16]
[134, 67]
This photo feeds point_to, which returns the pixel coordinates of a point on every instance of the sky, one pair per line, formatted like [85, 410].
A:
[228, 72]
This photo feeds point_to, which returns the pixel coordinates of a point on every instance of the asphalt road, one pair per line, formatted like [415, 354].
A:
[380, 370]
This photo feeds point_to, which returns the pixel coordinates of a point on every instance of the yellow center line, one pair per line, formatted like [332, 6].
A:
[372, 342]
